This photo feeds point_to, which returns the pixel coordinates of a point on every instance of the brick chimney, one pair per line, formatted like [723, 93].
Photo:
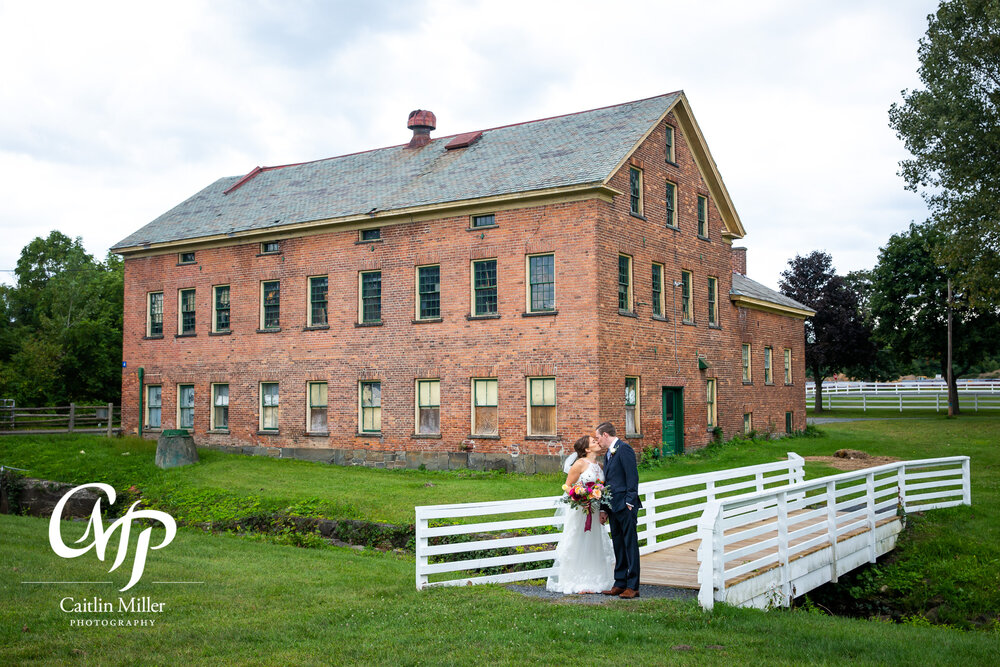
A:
[738, 258]
[421, 122]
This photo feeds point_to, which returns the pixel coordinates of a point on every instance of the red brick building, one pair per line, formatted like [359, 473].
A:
[475, 300]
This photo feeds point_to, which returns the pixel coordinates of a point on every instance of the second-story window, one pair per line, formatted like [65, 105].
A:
[484, 286]
[625, 283]
[713, 301]
[670, 203]
[541, 283]
[635, 190]
[703, 216]
[768, 375]
[221, 316]
[429, 292]
[371, 297]
[657, 289]
[270, 304]
[788, 366]
[318, 301]
[747, 377]
[186, 311]
[686, 310]
[154, 314]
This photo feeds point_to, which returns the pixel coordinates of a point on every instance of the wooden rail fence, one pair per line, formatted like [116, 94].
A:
[72, 418]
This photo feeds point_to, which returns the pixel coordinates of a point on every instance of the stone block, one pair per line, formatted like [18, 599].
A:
[458, 460]
[173, 451]
[477, 461]
[547, 465]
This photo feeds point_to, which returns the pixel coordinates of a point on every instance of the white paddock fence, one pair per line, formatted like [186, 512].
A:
[527, 530]
[973, 395]
[763, 549]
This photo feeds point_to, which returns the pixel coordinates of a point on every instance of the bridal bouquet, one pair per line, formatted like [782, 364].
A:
[587, 498]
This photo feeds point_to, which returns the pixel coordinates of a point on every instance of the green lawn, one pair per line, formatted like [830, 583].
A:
[274, 605]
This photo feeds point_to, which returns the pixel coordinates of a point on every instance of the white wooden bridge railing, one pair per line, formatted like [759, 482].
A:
[527, 530]
[801, 518]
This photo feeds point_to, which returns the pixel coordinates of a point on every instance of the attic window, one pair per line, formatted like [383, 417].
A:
[371, 234]
[463, 140]
[185, 258]
[484, 220]
[270, 247]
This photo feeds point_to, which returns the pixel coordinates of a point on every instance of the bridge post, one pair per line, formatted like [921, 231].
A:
[786, 580]
[870, 511]
[831, 526]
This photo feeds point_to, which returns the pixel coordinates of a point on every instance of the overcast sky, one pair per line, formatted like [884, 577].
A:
[113, 112]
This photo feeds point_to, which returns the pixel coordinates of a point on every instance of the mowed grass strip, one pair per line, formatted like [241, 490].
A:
[269, 605]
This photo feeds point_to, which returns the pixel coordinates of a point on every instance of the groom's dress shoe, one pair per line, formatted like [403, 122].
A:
[614, 591]
[628, 594]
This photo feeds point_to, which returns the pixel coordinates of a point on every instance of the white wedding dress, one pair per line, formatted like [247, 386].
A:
[585, 559]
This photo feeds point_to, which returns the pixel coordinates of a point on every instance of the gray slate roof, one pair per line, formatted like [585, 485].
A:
[576, 149]
[743, 286]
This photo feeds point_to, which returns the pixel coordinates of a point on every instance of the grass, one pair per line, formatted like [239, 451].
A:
[273, 605]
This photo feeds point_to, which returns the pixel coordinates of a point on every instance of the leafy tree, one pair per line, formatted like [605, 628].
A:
[952, 129]
[909, 306]
[837, 339]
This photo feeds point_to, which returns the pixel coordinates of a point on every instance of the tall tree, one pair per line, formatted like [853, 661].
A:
[837, 339]
[952, 129]
[909, 307]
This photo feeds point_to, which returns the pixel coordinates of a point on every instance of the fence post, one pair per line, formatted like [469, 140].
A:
[650, 519]
[870, 511]
[111, 417]
[976, 397]
[864, 402]
[831, 526]
[966, 477]
[786, 578]
[900, 402]
[420, 533]
[72, 417]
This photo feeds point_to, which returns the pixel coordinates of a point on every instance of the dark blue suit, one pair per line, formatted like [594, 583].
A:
[621, 474]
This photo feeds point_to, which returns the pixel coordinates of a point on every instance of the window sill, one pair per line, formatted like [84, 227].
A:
[227, 332]
[368, 241]
[768, 384]
[269, 330]
[540, 313]
[704, 238]
[218, 431]
[372, 434]
[188, 335]
[715, 326]
[675, 228]
[543, 437]
[483, 317]
[316, 327]
[626, 313]
[152, 429]
[476, 229]
[428, 320]
[473, 436]
[672, 163]
[187, 263]
[268, 254]
[317, 434]
[637, 215]
[660, 318]
[748, 383]
[368, 324]
[160, 337]
[690, 323]
[789, 384]
[273, 432]
[633, 436]
[426, 436]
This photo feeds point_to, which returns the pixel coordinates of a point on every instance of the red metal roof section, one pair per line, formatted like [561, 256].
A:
[463, 140]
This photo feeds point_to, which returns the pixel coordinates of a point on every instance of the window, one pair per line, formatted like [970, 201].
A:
[185, 258]
[746, 363]
[541, 283]
[658, 289]
[686, 310]
[185, 311]
[185, 406]
[371, 234]
[220, 407]
[429, 407]
[631, 406]
[713, 301]
[541, 406]
[154, 314]
[318, 301]
[710, 403]
[789, 422]
[635, 190]
[270, 247]
[703, 216]
[428, 292]
[269, 406]
[220, 318]
[669, 138]
[788, 366]
[270, 304]
[316, 408]
[747, 422]
[768, 376]
[371, 407]
[488, 220]
[154, 405]
[670, 203]
[485, 420]
[625, 283]
[484, 287]
[370, 305]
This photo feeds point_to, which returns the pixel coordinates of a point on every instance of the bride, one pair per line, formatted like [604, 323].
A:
[585, 559]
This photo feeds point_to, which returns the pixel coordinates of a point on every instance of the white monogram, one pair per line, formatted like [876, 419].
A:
[101, 538]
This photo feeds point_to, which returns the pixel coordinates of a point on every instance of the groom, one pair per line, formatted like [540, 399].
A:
[622, 476]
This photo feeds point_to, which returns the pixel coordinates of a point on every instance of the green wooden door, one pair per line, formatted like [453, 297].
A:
[673, 420]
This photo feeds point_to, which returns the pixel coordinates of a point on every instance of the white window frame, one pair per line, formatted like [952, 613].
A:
[213, 424]
[713, 301]
[180, 312]
[712, 402]
[475, 406]
[215, 309]
[788, 366]
[361, 300]
[554, 405]
[309, 302]
[528, 306]
[635, 406]
[747, 422]
[768, 364]
[417, 405]
[672, 217]
[472, 287]
[310, 406]
[179, 422]
[146, 424]
[641, 207]
[416, 292]
[261, 406]
[660, 300]
[671, 145]
[361, 407]
[631, 282]
[149, 314]
[261, 323]
[701, 220]
[746, 363]
[687, 314]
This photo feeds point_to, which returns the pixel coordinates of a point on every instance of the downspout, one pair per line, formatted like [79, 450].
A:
[142, 372]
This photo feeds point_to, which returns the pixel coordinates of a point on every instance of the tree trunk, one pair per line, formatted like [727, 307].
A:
[953, 393]
[818, 407]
